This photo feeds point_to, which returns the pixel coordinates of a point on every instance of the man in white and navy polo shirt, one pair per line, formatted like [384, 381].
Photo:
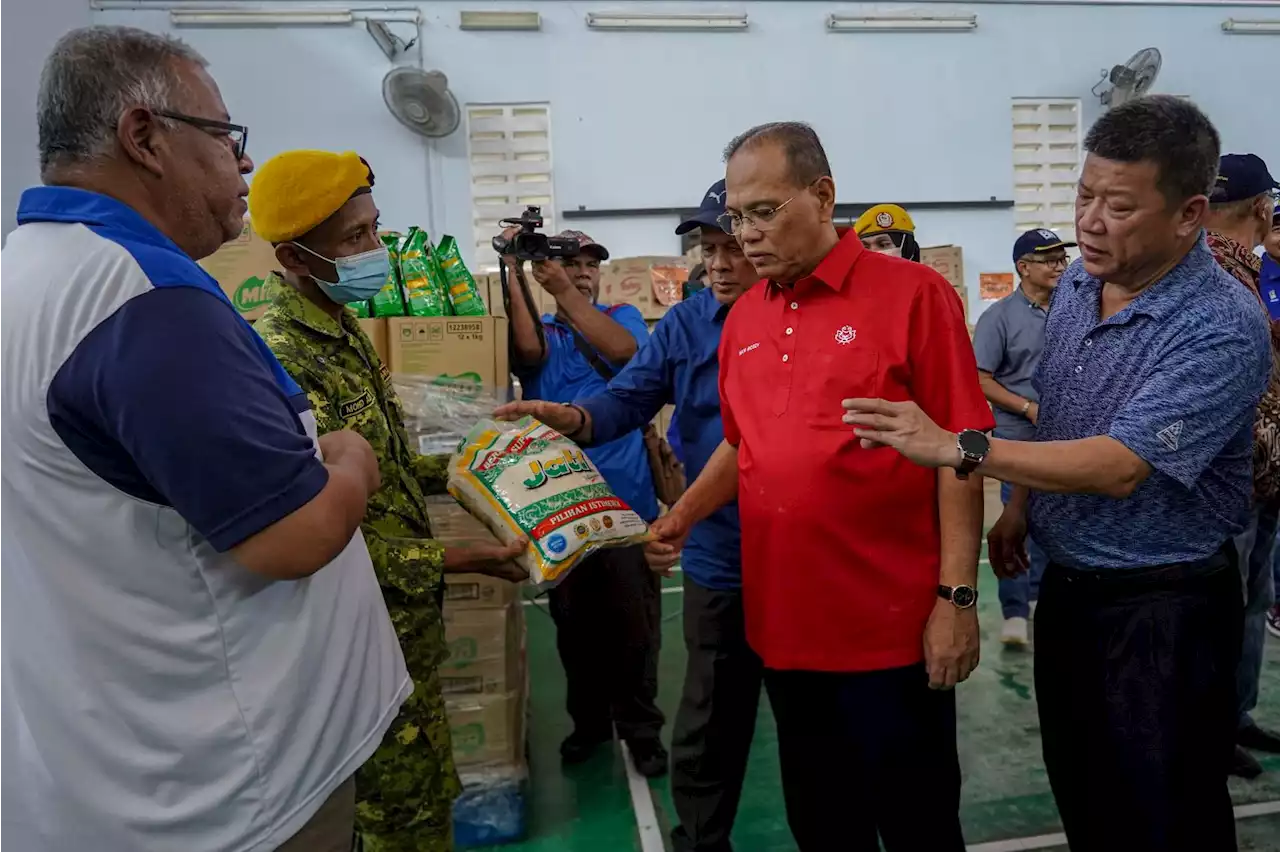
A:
[196, 652]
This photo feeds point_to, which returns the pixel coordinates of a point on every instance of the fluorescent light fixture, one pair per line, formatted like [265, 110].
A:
[640, 21]
[901, 23]
[483, 20]
[1231, 26]
[250, 18]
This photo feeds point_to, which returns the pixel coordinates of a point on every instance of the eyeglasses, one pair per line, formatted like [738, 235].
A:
[761, 218]
[1051, 262]
[237, 133]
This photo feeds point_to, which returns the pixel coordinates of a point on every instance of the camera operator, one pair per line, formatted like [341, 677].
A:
[608, 611]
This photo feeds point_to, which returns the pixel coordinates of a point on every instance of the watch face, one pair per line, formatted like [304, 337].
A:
[974, 443]
[963, 596]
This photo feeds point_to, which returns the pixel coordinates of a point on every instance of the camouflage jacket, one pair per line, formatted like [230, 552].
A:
[350, 388]
[1246, 268]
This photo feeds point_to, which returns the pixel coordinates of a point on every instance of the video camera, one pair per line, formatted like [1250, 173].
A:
[531, 245]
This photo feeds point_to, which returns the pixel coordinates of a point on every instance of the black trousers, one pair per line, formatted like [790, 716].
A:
[608, 615]
[868, 754]
[716, 719]
[1135, 684]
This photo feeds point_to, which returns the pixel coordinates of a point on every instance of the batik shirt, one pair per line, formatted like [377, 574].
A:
[1246, 268]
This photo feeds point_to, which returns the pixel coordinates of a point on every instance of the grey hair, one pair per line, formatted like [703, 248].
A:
[92, 77]
[1164, 130]
[806, 158]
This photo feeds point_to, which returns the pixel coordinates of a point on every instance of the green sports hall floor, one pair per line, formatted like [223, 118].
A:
[1006, 800]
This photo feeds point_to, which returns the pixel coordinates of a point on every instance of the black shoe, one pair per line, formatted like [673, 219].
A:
[1259, 739]
[578, 747]
[649, 757]
[681, 842]
[1244, 765]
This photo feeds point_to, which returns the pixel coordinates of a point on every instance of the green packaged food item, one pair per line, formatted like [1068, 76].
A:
[424, 290]
[362, 309]
[464, 296]
[389, 301]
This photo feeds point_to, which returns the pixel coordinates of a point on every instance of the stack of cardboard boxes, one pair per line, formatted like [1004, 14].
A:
[485, 683]
[948, 261]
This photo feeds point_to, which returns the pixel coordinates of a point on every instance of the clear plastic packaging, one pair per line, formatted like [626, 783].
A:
[492, 806]
[438, 413]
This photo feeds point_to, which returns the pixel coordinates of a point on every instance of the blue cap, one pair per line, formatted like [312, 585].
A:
[1038, 240]
[712, 208]
[1241, 176]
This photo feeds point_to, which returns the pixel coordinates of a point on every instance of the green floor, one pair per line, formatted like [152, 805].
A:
[1006, 794]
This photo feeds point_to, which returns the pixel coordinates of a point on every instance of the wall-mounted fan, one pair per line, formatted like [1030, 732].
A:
[1130, 80]
[421, 101]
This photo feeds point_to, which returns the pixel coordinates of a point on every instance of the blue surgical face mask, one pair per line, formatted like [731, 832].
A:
[360, 276]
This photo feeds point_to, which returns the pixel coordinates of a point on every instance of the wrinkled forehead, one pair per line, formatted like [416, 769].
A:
[199, 92]
[758, 176]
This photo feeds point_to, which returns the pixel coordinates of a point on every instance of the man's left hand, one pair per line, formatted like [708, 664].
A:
[552, 277]
[903, 426]
[950, 645]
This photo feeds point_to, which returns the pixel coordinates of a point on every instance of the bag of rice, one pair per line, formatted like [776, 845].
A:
[526, 479]
[464, 296]
[424, 289]
[389, 301]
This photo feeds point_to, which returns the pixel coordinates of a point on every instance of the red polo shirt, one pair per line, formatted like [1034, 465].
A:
[840, 545]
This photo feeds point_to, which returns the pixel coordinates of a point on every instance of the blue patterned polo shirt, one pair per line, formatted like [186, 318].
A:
[1176, 377]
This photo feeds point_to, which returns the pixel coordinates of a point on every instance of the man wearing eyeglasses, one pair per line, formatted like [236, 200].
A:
[1008, 341]
[1240, 212]
[196, 651]
[858, 572]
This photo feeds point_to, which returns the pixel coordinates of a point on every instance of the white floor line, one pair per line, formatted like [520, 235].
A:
[1048, 841]
[642, 804]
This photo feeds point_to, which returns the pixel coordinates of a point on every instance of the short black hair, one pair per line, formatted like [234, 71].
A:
[1171, 132]
[806, 159]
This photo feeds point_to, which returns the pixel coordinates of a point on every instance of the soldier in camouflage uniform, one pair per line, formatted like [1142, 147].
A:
[406, 791]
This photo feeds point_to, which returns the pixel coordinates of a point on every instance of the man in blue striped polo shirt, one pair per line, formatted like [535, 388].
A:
[1155, 360]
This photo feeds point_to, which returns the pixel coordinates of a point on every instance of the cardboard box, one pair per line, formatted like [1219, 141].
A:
[491, 291]
[994, 285]
[452, 524]
[241, 268]
[652, 284]
[376, 330]
[458, 349]
[486, 650]
[948, 261]
[487, 729]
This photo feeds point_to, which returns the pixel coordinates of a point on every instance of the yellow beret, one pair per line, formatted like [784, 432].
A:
[295, 191]
[881, 219]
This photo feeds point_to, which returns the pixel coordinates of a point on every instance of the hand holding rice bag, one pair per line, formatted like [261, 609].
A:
[526, 479]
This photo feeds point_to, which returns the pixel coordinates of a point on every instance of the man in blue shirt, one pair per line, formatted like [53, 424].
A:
[1154, 362]
[1008, 342]
[679, 365]
[608, 611]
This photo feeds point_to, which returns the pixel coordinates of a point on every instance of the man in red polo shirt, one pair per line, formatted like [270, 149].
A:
[858, 569]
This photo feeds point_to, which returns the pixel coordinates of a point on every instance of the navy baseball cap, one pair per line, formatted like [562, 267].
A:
[712, 208]
[1036, 241]
[1241, 176]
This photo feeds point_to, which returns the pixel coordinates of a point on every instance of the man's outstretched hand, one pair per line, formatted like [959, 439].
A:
[903, 426]
[565, 419]
[668, 534]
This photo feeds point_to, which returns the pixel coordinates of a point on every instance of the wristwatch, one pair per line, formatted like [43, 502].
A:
[961, 597]
[973, 446]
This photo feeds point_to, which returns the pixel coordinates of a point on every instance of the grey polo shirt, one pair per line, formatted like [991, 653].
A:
[1008, 342]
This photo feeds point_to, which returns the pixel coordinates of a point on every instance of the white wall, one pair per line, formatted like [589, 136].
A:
[639, 119]
[30, 29]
